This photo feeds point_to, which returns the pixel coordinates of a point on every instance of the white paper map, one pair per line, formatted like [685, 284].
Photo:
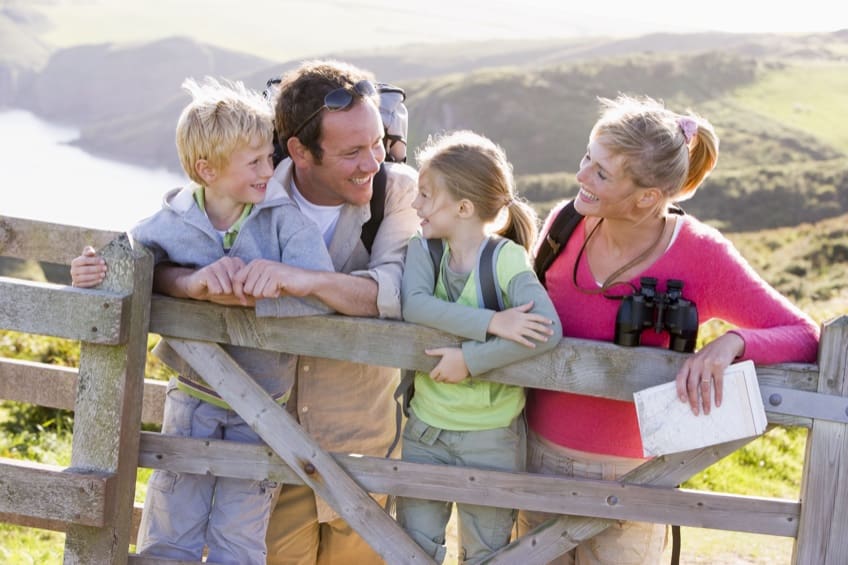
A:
[668, 425]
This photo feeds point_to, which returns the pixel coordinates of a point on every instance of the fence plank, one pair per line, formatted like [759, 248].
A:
[475, 486]
[108, 409]
[44, 241]
[61, 311]
[317, 469]
[576, 365]
[55, 387]
[34, 494]
[822, 535]
[558, 536]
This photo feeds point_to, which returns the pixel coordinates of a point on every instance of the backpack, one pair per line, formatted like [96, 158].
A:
[395, 123]
[559, 232]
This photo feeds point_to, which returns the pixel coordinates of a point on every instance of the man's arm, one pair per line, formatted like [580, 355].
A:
[400, 222]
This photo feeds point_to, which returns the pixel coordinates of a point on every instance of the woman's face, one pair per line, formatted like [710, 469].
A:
[605, 189]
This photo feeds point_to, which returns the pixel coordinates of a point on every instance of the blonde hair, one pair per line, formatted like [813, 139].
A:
[662, 149]
[473, 167]
[221, 117]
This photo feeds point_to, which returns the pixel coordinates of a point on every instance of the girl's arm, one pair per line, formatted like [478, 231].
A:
[498, 352]
[421, 307]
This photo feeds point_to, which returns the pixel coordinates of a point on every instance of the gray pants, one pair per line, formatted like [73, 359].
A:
[482, 529]
[185, 512]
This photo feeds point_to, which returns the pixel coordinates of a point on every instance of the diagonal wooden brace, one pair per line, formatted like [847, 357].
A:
[560, 535]
[288, 440]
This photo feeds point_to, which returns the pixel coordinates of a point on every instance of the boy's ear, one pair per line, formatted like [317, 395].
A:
[204, 170]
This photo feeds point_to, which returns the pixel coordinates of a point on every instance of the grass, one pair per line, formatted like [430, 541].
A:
[785, 96]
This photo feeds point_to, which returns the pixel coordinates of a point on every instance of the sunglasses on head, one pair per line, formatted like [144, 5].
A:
[339, 99]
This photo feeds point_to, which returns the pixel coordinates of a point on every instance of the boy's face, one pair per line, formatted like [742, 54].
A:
[352, 141]
[244, 179]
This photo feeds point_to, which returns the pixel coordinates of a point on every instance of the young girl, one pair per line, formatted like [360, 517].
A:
[456, 418]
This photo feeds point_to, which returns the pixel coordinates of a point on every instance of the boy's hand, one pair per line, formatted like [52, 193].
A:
[451, 368]
[88, 269]
[519, 325]
[214, 282]
[263, 278]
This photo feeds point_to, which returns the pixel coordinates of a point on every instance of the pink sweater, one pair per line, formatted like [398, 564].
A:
[722, 285]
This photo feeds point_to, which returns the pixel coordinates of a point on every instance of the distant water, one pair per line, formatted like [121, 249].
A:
[43, 178]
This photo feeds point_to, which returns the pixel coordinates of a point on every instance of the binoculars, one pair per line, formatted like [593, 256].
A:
[667, 311]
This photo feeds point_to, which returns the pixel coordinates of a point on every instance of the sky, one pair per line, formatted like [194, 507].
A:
[286, 29]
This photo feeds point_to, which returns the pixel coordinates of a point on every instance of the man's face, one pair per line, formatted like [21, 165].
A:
[352, 141]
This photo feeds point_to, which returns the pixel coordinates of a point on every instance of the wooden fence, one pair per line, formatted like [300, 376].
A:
[92, 500]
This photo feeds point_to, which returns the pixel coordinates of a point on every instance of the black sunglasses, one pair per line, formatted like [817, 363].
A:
[339, 99]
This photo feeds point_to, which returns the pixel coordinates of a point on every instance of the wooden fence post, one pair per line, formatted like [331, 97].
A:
[107, 419]
[823, 531]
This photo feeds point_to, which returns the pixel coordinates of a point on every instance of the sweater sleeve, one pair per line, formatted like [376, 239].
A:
[774, 330]
[497, 351]
[421, 307]
[302, 248]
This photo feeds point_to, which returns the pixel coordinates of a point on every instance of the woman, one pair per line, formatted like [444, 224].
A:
[641, 159]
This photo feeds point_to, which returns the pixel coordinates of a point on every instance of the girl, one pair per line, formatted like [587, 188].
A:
[465, 183]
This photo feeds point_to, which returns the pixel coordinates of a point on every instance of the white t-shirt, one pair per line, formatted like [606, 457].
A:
[325, 217]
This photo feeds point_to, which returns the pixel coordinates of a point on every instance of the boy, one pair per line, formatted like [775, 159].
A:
[227, 219]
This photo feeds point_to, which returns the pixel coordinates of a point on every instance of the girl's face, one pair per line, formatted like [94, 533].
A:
[605, 189]
[436, 207]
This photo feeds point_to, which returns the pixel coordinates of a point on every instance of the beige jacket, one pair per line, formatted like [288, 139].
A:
[349, 407]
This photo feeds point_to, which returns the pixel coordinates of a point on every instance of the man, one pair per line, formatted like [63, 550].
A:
[328, 124]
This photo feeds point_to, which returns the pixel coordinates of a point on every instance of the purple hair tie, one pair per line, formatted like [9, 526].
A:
[688, 126]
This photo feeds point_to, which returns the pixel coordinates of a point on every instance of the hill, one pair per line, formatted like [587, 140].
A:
[776, 101]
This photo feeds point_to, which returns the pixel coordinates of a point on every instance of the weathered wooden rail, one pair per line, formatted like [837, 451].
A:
[92, 500]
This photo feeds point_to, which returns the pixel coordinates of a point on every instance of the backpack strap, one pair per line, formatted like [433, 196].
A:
[559, 232]
[556, 236]
[378, 208]
[488, 290]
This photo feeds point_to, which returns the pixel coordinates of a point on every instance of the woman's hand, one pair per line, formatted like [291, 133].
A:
[451, 368]
[705, 369]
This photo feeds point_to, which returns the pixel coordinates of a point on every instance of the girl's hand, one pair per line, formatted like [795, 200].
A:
[451, 368]
[519, 325]
[88, 269]
[706, 368]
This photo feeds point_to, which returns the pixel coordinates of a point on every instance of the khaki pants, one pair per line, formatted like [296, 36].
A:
[295, 537]
[624, 543]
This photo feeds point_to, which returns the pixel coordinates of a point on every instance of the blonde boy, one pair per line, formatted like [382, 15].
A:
[228, 219]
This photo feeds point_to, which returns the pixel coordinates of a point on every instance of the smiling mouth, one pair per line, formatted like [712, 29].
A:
[586, 195]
